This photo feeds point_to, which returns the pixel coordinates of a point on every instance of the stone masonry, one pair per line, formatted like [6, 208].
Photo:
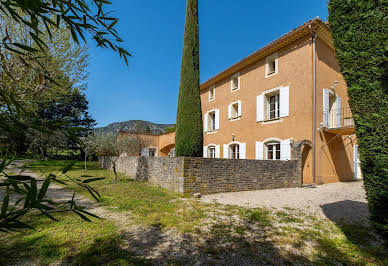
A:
[208, 176]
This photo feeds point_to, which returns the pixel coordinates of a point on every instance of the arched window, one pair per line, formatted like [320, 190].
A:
[211, 151]
[273, 150]
[234, 151]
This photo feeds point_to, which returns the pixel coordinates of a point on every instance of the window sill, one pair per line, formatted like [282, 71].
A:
[234, 119]
[212, 99]
[271, 75]
[235, 90]
[272, 121]
[212, 132]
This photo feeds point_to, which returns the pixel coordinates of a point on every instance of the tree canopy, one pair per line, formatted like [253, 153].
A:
[189, 131]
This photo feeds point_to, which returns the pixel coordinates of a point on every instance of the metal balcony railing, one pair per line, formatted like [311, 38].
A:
[338, 118]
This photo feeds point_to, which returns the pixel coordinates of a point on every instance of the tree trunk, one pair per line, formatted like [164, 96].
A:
[85, 162]
[114, 171]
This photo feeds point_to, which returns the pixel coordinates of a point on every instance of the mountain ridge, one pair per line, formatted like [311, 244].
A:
[140, 126]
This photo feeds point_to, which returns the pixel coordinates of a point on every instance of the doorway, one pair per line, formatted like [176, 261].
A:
[357, 174]
[307, 176]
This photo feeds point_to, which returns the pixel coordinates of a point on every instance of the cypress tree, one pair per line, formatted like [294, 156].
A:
[360, 30]
[189, 135]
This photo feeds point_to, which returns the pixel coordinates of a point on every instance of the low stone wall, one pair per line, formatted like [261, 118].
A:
[124, 165]
[208, 176]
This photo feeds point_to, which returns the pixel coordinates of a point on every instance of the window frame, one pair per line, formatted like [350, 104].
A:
[275, 151]
[238, 112]
[234, 152]
[276, 110]
[211, 151]
[268, 60]
[234, 110]
[212, 91]
[232, 83]
[211, 127]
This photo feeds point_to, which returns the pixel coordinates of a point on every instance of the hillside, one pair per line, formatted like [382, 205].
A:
[134, 126]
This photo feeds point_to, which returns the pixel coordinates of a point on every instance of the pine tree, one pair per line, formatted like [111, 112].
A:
[360, 30]
[189, 136]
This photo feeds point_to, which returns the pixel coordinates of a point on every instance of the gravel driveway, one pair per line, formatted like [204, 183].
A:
[340, 202]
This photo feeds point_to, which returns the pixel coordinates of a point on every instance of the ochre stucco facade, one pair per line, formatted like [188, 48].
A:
[290, 89]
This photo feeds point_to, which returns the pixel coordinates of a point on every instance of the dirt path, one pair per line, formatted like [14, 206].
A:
[159, 245]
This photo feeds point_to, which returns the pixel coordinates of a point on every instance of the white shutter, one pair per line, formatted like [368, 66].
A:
[285, 149]
[259, 150]
[217, 119]
[229, 111]
[284, 96]
[226, 151]
[205, 122]
[239, 108]
[243, 150]
[260, 108]
[338, 115]
[204, 151]
[218, 155]
[326, 108]
[145, 152]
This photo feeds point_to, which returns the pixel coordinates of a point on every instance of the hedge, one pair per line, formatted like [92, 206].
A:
[360, 34]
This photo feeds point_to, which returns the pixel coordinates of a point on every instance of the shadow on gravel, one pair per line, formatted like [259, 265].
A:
[347, 211]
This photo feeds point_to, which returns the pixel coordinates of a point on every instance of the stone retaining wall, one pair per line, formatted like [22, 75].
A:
[208, 176]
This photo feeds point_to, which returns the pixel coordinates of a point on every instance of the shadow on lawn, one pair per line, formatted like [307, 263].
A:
[352, 218]
[221, 244]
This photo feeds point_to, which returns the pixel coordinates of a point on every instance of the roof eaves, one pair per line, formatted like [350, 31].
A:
[264, 51]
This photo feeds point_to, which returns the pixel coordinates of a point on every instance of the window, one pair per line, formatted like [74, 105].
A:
[235, 82]
[212, 121]
[273, 106]
[212, 93]
[172, 153]
[152, 152]
[234, 110]
[273, 151]
[234, 151]
[271, 66]
[211, 152]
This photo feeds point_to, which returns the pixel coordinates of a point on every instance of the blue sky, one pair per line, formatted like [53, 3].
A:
[153, 30]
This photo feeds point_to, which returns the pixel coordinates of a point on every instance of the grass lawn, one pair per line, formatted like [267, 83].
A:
[214, 229]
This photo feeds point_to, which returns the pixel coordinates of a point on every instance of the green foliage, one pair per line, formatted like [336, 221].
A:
[30, 197]
[189, 135]
[107, 144]
[223, 229]
[169, 130]
[360, 30]
[79, 16]
[38, 20]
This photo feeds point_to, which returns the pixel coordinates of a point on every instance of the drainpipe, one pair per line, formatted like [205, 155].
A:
[314, 106]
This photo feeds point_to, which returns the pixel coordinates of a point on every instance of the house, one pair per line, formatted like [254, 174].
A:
[289, 90]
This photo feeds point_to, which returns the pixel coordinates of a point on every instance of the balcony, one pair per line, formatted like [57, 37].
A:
[338, 121]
